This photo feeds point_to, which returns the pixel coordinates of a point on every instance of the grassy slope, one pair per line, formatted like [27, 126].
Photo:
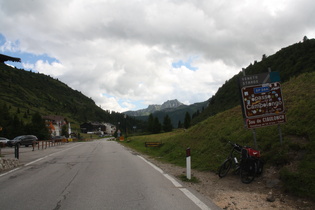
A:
[33, 92]
[26, 92]
[289, 62]
[208, 139]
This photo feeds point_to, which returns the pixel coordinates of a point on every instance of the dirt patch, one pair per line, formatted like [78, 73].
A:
[264, 192]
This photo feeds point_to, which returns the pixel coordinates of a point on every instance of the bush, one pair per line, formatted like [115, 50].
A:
[297, 183]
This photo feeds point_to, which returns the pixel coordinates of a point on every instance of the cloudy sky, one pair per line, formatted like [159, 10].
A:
[127, 54]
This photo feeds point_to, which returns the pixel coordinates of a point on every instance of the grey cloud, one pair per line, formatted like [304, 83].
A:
[126, 48]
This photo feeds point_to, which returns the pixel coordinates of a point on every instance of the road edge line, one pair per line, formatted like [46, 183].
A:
[34, 161]
[186, 192]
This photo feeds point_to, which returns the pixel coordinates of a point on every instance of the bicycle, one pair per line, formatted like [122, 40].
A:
[231, 160]
[248, 166]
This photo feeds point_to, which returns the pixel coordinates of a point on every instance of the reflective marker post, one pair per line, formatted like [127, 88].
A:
[188, 164]
[16, 151]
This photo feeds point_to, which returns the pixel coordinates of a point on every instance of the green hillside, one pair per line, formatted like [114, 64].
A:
[289, 62]
[26, 93]
[208, 140]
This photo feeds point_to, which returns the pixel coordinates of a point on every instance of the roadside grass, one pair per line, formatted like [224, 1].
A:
[208, 140]
[185, 179]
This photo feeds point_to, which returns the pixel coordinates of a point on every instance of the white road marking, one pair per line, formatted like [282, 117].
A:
[194, 199]
[151, 164]
[175, 183]
[190, 195]
[39, 159]
[9, 172]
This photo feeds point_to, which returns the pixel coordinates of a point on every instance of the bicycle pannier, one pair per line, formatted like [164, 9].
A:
[252, 152]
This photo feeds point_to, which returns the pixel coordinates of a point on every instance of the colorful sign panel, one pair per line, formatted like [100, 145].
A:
[263, 99]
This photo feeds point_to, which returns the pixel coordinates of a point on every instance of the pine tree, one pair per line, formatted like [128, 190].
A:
[151, 123]
[17, 126]
[187, 120]
[64, 131]
[167, 124]
[38, 127]
[157, 125]
[179, 124]
[6, 122]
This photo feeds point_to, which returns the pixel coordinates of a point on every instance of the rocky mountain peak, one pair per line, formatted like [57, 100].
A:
[170, 104]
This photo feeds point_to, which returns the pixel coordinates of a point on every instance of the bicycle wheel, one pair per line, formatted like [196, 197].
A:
[225, 167]
[248, 171]
[260, 166]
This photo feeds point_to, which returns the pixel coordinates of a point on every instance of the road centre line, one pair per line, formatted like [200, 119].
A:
[190, 195]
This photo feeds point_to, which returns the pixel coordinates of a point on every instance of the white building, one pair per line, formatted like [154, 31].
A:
[110, 128]
[55, 123]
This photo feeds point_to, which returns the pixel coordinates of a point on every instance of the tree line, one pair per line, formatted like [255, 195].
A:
[154, 125]
[11, 126]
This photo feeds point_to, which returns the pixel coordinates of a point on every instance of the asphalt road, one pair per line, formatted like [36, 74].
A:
[92, 175]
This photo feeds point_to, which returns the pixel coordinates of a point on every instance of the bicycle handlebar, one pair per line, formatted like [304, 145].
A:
[236, 146]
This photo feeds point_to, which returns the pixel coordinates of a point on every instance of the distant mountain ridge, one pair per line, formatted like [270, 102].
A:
[173, 108]
[170, 104]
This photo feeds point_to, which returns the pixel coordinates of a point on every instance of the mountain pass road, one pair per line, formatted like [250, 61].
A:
[99, 174]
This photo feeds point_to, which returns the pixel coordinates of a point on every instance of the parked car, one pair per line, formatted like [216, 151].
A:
[4, 141]
[22, 140]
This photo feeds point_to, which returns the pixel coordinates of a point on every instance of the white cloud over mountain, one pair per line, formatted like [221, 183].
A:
[129, 54]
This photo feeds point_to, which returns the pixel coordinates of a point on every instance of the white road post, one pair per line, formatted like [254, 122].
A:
[188, 164]
[69, 131]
